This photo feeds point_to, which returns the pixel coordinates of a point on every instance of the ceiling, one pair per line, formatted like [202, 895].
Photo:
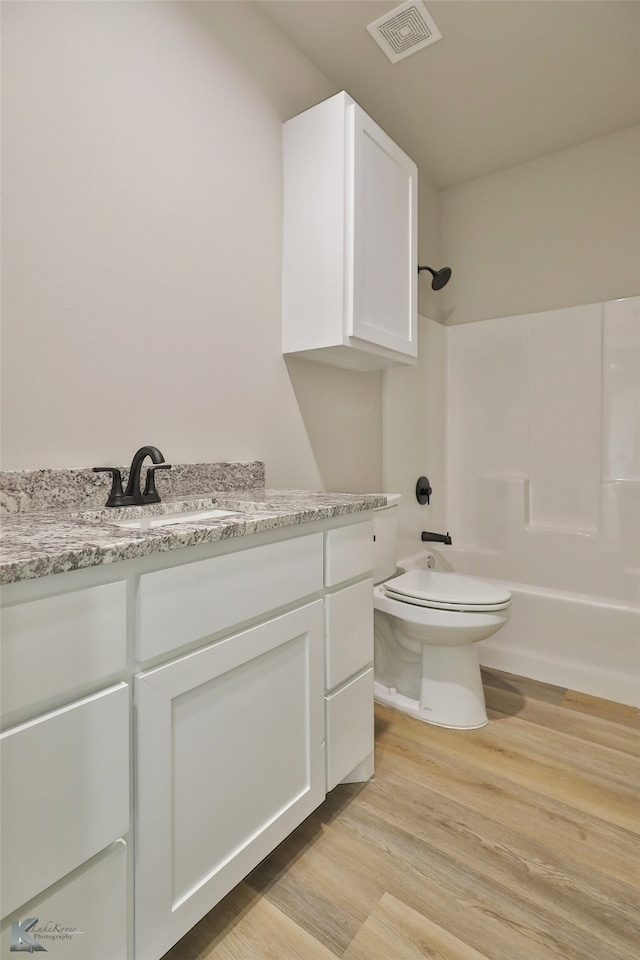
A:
[511, 80]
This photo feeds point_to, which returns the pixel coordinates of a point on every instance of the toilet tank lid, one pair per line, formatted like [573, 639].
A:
[393, 499]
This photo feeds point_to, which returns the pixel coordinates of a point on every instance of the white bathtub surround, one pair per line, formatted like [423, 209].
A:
[544, 488]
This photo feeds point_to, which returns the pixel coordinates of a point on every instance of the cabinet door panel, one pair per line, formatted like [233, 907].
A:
[65, 791]
[385, 240]
[230, 758]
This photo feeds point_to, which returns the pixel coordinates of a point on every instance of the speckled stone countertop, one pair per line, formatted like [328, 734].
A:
[40, 542]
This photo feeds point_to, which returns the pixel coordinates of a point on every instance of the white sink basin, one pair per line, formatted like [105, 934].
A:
[165, 520]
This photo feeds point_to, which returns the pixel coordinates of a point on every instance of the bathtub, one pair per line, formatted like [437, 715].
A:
[585, 643]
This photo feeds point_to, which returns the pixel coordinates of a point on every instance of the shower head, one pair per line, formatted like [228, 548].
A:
[440, 277]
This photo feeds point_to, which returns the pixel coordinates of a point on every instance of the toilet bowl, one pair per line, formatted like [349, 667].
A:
[426, 625]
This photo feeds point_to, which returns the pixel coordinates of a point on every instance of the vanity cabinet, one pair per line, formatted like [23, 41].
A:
[236, 741]
[240, 674]
[350, 265]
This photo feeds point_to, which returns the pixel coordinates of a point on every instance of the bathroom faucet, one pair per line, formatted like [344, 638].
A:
[133, 494]
[150, 494]
[427, 537]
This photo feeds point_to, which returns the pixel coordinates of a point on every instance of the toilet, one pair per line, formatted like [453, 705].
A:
[426, 625]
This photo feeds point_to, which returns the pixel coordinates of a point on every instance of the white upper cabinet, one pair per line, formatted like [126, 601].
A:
[350, 265]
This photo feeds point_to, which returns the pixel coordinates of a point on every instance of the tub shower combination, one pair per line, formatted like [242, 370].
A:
[544, 490]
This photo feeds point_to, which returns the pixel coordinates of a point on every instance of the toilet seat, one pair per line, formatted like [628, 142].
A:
[442, 591]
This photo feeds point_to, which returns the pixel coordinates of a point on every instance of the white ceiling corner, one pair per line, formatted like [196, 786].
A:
[510, 81]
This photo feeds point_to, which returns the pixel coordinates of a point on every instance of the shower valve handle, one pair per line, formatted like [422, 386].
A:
[423, 490]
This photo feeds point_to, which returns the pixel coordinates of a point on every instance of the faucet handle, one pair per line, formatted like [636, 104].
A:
[150, 494]
[116, 496]
[423, 490]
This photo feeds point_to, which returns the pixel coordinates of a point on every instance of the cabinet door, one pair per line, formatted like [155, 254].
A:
[385, 276]
[230, 759]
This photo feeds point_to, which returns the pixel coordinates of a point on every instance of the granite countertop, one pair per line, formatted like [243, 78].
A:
[40, 543]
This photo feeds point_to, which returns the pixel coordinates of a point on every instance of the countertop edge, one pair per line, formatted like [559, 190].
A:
[36, 545]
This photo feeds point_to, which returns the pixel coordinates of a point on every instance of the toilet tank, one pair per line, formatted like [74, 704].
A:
[385, 532]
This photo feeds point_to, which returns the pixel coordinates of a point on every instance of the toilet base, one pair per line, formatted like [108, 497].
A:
[426, 661]
[390, 697]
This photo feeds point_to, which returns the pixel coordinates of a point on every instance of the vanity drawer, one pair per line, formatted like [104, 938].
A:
[348, 631]
[348, 553]
[349, 726]
[182, 604]
[84, 917]
[65, 791]
[59, 644]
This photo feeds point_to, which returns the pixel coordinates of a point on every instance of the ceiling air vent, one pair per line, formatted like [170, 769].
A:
[405, 30]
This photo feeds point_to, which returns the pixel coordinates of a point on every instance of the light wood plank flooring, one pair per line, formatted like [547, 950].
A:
[519, 841]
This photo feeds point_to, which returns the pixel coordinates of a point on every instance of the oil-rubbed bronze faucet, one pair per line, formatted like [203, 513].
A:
[133, 494]
[428, 537]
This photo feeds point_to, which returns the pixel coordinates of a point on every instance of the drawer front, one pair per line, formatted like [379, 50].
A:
[348, 553]
[58, 644]
[349, 632]
[349, 726]
[65, 791]
[82, 918]
[190, 602]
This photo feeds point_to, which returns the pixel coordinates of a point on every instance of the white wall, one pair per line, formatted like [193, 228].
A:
[142, 247]
[414, 397]
[556, 232]
[414, 435]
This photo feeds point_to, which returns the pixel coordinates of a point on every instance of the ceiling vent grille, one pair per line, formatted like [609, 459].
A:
[405, 30]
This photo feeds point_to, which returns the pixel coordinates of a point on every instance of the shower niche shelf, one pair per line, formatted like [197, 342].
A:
[350, 240]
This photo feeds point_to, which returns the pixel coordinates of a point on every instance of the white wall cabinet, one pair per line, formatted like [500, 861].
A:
[350, 265]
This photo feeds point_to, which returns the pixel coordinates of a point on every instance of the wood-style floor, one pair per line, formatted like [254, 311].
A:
[519, 841]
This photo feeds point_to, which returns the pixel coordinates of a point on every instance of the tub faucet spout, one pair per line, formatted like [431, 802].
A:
[428, 537]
